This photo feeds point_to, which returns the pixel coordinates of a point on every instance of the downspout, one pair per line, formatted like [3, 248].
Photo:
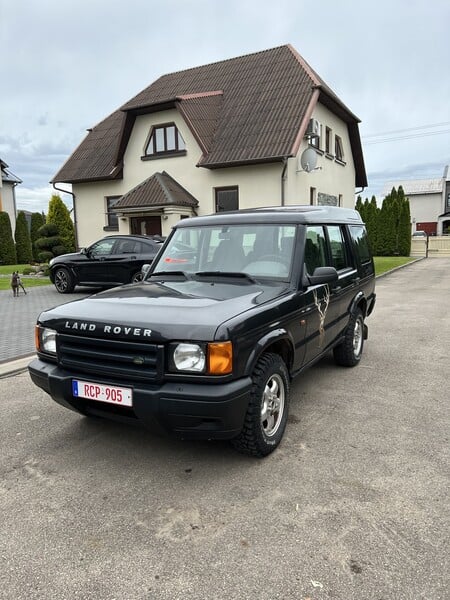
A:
[359, 191]
[283, 179]
[74, 211]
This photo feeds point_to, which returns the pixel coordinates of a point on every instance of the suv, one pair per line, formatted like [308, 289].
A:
[114, 260]
[235, 305]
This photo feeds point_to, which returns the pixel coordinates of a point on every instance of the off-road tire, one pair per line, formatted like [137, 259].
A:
[260, 436]
[349, 351]
[64, 282]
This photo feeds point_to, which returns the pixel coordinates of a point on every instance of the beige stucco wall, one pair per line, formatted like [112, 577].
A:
[8, 204]
[259, 185]
[425, 207]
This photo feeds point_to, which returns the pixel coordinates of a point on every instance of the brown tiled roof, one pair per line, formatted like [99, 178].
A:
[248, 109]
[158, 190]
[96, 156]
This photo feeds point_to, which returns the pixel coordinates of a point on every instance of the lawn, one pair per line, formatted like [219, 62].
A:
[386, 263]
[27, 280]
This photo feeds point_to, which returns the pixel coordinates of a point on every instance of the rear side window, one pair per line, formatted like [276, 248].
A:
[361, 241]
[339, 258]
[315, 249]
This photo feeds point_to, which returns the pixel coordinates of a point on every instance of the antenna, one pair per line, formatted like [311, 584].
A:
[308, 160]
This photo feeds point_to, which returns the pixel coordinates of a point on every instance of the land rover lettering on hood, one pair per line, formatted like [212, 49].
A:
[206, 345]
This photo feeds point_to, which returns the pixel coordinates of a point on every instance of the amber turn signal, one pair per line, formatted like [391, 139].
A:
[37, 339]
[220, 358]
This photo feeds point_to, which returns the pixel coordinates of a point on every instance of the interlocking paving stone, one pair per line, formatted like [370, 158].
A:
[18, 317]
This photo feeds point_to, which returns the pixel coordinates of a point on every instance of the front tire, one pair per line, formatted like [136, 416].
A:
[64, 282]
[267, 412]
[136, 277]
[349, 352]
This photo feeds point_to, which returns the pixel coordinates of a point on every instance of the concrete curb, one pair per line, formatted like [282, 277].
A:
[400, 267]
[13, 367]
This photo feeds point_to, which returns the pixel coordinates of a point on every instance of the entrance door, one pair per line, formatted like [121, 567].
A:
[145, 225]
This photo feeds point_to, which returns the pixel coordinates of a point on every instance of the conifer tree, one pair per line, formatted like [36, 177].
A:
[404, 227]
[48, 243]
[7, 247]
[372, 223]
[37, 220]
[58, 214]
[23, 240]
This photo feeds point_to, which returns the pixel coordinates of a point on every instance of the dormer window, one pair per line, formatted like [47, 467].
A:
[165, 140]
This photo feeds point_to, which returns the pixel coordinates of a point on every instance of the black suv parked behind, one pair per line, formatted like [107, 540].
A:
[114, 260]
[234, 306]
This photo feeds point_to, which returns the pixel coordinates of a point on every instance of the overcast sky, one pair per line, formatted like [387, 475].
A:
[66, 64]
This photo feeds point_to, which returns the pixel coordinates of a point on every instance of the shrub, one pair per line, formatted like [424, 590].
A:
[28, 271]
[45, 255]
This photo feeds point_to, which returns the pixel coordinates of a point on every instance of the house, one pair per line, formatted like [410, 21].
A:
[256, 130]
[8, 182]
[429, 202]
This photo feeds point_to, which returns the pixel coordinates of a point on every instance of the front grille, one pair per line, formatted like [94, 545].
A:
[114, 358]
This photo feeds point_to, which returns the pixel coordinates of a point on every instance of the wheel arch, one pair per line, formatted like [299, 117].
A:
[277, 342]
[359, 301]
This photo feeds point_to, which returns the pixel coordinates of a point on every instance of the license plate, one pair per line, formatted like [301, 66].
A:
[102, 393]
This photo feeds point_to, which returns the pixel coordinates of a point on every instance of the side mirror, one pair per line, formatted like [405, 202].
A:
[323, 275]
[145, 269]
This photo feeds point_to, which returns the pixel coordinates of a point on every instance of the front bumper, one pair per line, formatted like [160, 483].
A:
[189, 410]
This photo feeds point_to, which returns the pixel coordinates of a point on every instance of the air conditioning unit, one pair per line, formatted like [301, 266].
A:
[313, 129]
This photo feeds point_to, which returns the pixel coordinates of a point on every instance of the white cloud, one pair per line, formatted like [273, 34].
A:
[78, 60]
[37, 199]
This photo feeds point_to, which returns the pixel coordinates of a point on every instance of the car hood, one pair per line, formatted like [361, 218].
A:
[169, 310]
[66, 257]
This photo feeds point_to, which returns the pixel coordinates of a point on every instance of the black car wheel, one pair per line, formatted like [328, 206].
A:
[267, 410]
[136, 277]
[349, 352]
[64, 282]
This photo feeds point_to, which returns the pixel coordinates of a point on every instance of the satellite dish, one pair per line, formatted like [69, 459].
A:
[308, 160]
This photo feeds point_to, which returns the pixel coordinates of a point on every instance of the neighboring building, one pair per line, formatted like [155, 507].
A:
[8, 182]
[429, 201]
[223, 136]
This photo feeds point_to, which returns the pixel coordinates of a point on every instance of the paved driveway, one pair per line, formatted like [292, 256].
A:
[18, 317]
[352, 506]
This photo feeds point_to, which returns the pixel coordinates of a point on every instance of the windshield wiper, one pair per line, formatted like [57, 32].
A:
[169, 274]
[227, 274]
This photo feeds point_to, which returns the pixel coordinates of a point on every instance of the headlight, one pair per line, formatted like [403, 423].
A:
[189, 357]
[45, 340]
[213, 358]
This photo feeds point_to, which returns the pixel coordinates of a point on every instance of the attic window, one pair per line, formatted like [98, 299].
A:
[164, 140]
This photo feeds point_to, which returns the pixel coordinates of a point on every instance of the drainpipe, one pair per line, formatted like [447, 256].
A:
[74, 211]
[283, 178]
[359, 191]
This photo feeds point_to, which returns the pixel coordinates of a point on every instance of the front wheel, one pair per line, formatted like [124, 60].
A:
[349, 351]
[267, 412]
[64, 282]
[136, 277]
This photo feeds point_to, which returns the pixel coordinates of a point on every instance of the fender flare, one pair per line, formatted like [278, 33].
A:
[357, 300]
[275, 335]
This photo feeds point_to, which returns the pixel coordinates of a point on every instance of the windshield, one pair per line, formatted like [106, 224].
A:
[256, 250]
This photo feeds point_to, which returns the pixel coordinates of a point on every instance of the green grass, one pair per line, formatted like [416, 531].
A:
[27, 280]
[386, 263]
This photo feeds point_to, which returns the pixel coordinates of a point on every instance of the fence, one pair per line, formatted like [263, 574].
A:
[437, 246]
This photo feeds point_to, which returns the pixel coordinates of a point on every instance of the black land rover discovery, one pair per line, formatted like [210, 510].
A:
[235, 305]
